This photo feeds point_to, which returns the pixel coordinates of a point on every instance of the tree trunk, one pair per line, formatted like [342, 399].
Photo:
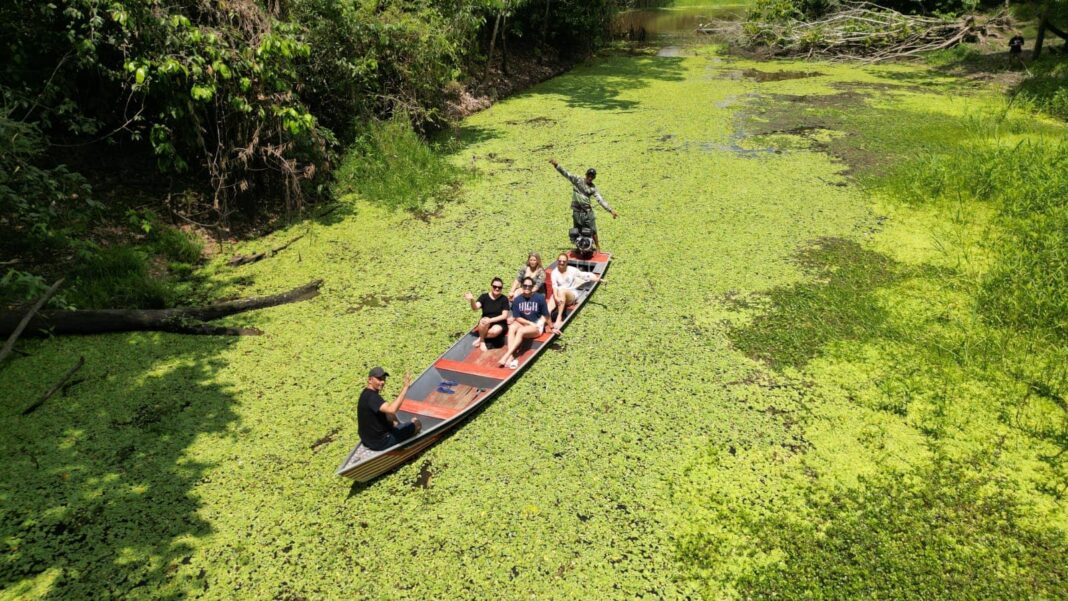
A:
[545, 21]
[1041, 36]
[493, 42]
[504, 45]
[185, 320]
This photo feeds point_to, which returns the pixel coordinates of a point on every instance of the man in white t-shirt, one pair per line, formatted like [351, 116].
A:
[566, 280]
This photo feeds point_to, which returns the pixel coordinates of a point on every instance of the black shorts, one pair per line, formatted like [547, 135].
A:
[499, 340]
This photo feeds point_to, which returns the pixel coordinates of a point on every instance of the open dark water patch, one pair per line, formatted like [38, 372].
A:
[425, 474]
[805, 116]
[838, 100]
[535, 121]
[765, 76]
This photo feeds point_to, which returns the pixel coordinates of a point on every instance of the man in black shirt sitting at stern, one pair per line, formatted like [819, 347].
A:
[379, 426]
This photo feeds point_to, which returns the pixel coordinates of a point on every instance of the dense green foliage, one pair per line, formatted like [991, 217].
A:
[393, 166]
[209, 88]
[1047, 90]
[48, 212]
[41, 206]
[238, 90]
[241, 104]
[371, 60]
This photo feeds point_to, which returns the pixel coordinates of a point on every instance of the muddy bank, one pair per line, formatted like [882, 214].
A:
[525, 69]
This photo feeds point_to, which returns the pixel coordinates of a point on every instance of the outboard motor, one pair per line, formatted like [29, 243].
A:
[582, 238]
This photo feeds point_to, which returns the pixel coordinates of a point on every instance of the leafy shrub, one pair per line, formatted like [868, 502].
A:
[393, 166]
[375, 58]
[1047, 89]
[118, 277]
[1028, 184]
[18, 286]
[38, 204]
[209, 87]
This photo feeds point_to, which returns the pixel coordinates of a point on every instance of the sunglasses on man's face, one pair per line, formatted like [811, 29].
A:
[527, 286]
[496, 287]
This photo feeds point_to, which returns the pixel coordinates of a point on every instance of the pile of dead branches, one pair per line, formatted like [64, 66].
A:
[862, 31]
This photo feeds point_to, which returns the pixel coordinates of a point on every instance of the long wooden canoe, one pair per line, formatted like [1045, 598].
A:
[477, 379]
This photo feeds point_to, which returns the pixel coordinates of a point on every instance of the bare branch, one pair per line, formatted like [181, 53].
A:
[10, 344]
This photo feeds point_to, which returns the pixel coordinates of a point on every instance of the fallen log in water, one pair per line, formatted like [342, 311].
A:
[183, 320]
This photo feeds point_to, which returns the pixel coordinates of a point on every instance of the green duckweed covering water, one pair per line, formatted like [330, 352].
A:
[710, 427]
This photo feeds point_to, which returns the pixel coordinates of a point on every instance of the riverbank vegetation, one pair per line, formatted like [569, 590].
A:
[216, 116]
[939, 362]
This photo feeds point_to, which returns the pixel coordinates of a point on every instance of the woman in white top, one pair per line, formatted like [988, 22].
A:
[566, 280]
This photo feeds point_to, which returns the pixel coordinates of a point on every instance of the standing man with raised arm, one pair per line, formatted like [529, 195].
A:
[582, 190]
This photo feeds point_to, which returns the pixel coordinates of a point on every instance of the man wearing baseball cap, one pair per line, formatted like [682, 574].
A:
[582, 190]
[379, 426]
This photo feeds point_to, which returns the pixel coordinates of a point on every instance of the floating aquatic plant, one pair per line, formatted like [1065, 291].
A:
[649, 456]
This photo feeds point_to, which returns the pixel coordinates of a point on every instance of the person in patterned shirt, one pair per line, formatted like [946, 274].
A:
[582, 190]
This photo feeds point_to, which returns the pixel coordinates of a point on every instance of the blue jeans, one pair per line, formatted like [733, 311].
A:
[400, 434]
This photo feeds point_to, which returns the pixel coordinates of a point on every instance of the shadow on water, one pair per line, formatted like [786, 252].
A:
[97, 489]
[949, 529]
[600, 85]
[464, 135]
[839, 304]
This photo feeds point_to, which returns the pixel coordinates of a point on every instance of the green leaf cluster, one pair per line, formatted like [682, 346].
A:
[392, 165]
